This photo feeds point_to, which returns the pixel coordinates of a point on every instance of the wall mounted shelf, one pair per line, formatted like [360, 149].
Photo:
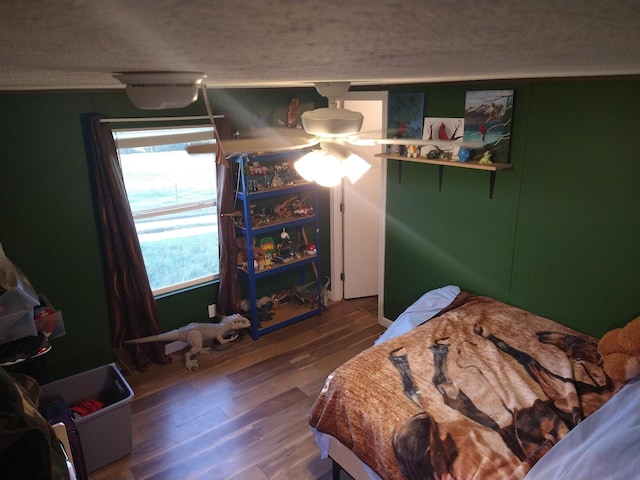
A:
[474, 165]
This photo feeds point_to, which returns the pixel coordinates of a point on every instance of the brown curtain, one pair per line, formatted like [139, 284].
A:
[132, 307]
[228, 294]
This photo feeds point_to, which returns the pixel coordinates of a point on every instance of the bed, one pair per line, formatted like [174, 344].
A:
[465, 386]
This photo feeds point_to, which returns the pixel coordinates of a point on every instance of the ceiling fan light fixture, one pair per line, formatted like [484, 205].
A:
[306, 165]
[328, 165]
[355, 167]
[332, 122]
[321, 167]
[160, 90]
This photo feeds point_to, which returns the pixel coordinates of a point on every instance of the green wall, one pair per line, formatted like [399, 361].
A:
[561, 235]
[47, 224]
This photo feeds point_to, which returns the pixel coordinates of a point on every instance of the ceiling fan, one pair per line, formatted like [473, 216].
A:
[331, 129]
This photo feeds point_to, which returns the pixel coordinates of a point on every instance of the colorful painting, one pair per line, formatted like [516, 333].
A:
[443, 129]
[446, 134]
[404, 117]
[487, 123]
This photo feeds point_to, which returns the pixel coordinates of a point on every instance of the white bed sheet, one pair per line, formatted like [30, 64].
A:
[605, 445]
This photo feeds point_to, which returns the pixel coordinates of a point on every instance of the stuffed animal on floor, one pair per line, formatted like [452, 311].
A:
[620, 351]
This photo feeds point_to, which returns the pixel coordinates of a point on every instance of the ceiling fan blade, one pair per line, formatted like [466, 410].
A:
[386, 141]
[262, 140]
[359, 140]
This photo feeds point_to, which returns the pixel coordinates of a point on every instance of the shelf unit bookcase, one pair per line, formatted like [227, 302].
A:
[253, 190]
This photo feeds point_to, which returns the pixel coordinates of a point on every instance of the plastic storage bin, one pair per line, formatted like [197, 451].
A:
[16, 313]
[105, 435]
[16, 326]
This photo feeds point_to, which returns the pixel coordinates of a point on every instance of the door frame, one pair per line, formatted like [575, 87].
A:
[336, 218]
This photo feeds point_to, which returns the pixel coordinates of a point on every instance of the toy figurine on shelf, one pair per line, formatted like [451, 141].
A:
[301, 208]
[285, 248]
[276, 181]
[486, 158]
[464, 154]
[412, 151]
[283, 210]
[432, 152]
[243, 257]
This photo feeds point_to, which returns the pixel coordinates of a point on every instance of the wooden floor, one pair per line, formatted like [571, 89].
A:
[243, 414]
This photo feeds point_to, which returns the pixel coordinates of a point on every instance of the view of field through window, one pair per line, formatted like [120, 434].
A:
[172, 196]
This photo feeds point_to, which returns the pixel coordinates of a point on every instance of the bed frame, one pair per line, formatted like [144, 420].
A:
[344, 459]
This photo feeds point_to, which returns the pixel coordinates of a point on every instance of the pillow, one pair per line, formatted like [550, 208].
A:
[423, 309]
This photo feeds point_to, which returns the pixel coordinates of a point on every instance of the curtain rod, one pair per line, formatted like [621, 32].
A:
[156, 119]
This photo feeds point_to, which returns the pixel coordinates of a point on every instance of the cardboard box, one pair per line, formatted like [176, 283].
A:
[105, 435]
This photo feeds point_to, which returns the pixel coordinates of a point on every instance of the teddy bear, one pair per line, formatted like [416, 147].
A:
[258, 253]
[620, 351]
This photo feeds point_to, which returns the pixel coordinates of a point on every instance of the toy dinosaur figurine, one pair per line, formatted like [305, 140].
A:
[196, 334]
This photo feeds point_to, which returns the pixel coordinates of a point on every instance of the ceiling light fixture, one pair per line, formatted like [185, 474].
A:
[329, 164]
[160, 90]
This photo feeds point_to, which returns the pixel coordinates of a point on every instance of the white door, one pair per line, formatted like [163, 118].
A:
[357, 228]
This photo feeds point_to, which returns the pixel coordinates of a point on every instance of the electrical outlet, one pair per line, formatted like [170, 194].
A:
[211, 309]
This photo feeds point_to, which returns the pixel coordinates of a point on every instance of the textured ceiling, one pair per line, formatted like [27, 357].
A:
[78, 44]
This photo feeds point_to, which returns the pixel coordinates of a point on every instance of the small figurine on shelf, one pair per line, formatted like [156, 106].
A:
[258, 254]
[412, 151]
[276, 181]
[284, 209]
[301, 208]
[268, 247]
[292, 113]
[268, 260]
[464, 154]
[285, 248]
[486, 158]
[434, 153]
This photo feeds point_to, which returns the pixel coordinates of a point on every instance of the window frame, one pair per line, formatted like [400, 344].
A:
[134, 137]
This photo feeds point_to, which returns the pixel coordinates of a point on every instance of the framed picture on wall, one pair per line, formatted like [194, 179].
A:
[446, 134]
[443, 129]
[487, 123]
[404, 117]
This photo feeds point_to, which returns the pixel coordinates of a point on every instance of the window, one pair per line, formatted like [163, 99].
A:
[173, 201]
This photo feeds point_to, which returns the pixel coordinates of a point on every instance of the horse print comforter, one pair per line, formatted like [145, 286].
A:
[481, 391]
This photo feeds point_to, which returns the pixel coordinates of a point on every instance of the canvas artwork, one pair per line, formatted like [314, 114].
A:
[446, 134]
[404, 117]
[487, 122]
[443, 129]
